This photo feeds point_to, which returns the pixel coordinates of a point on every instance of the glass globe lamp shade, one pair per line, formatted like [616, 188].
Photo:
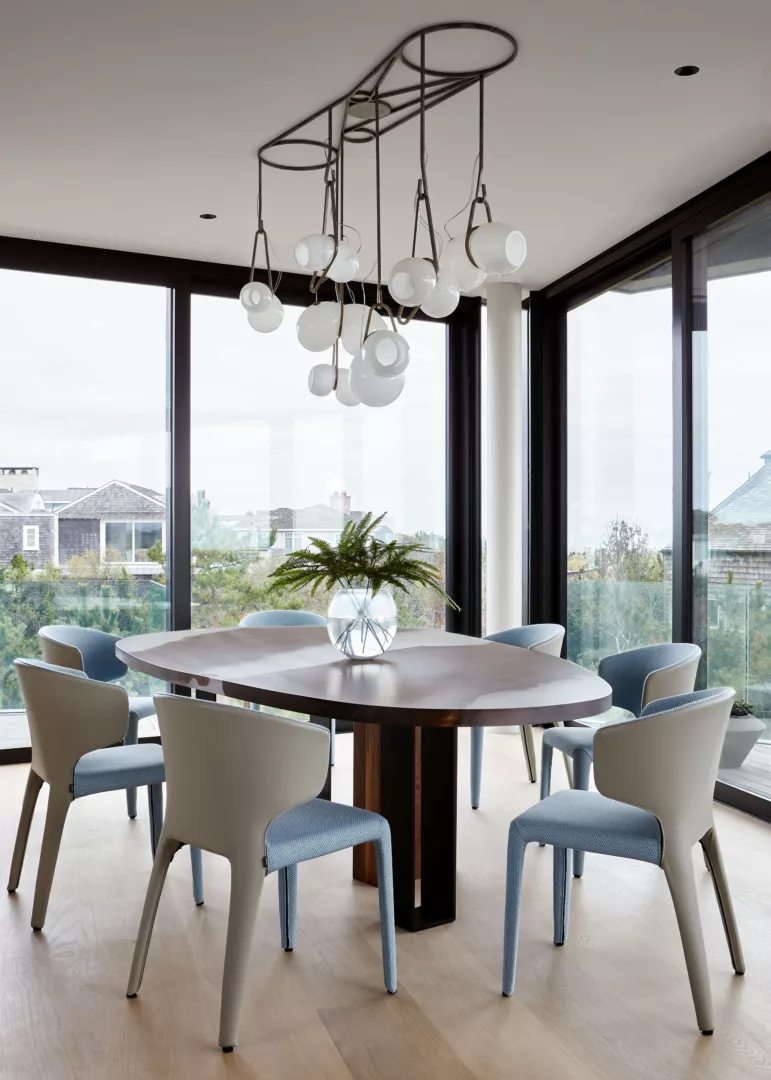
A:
[255, 297]
[455, 259]
[343, 393]
[497, 248]
[354, 322]
[445, 297]
[412, 281]
[321, 380]
[369, 388]
[386, 353]
[314, 252]
[318, 325]
[346, 264]
[265, 322]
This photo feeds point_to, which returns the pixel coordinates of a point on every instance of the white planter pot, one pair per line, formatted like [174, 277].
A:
[743, 732]
[361, 625]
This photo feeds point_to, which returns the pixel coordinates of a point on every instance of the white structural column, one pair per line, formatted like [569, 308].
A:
[505, 456]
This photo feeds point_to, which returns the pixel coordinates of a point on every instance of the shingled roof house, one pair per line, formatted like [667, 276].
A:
[740, 532]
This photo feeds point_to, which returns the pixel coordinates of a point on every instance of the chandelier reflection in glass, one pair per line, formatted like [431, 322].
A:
[431, 283]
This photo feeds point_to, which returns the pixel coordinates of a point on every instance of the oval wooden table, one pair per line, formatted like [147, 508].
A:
[407, 704]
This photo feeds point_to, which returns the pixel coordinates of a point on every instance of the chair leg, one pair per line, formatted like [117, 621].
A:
[477, 746]
[582, 773]
[714, 859]
[155, 806]
[246, 880]
[385, 894]
[131, 739]
[678, 867]
[31, 792]
[58, 805]
[287, 905]
[563, 858]
[528, 745]
[547, 754]
[167, 849]
[514, 864]
[331, 742]
[196, 865]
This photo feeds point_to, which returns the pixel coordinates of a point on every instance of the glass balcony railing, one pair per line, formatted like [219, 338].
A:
[607, 617]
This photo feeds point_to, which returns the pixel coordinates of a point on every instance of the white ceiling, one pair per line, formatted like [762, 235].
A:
[121, 122]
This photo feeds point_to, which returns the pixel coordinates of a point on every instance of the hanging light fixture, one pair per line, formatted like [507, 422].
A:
[430, 284]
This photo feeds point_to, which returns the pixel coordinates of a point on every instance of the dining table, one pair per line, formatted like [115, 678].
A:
[406, 707]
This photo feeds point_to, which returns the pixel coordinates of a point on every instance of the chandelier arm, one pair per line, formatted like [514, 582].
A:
[423, 175]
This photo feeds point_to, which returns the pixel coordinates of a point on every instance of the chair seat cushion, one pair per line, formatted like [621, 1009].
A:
[318, 828]
[140, 707]
[588, 821]
[118, 767]
[569, 739]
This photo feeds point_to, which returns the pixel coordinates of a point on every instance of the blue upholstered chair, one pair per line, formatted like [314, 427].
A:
[655, 777]
[93, 652]
[540, 637]
[637, 678]
[291, 618]
[244, 787]
[74, 726]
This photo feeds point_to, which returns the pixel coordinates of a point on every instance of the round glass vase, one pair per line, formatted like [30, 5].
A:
[361, 625]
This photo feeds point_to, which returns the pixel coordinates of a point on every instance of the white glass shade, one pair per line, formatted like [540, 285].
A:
[346, 264]
[387, 353]
[318, 325]
[321, 379]
[445, 297]
[361, 625]
[265, 322]
[455, 259]
[412, 281]
[354, 323]
[256, 297]
[343, 393]
[314, 252]
[369, 388]
[497, 248]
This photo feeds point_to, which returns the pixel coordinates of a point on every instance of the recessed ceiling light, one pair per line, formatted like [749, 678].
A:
[687, 69]
[207, 217]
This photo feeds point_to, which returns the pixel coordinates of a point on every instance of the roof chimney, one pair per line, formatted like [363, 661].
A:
[341, 501]
[19, 478]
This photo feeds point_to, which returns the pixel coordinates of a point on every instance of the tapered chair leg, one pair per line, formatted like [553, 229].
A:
[331, 742]
[56, 814]
[167, 849]
[514, 863]
[287, 905]
[582, 774]
[31, 792]
[155, 806]
[547, 753]
[385, 892]
[714, 859]
[477, 746]
[246, 881]
[528, 745]
[131, 739]
[678, 867]
[563, 858]
[196, 866]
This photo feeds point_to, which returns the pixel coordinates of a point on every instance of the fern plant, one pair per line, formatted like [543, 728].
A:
[359, 560]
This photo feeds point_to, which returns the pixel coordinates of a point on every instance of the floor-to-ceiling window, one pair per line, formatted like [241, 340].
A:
[732, 479]
[619, 468]
[82, 466]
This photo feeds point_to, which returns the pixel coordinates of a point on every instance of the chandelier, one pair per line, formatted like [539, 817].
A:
[383, 100]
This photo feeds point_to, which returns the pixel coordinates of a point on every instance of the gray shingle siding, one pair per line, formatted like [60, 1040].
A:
[76, 537]
[12, 538]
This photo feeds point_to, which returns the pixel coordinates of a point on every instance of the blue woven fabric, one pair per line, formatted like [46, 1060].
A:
[55, 667]
[569, 739]
[283, 618]
[681, 701]
[118, 767]
[140, 707]
[627, 671]
[526, 637]
[96, 648]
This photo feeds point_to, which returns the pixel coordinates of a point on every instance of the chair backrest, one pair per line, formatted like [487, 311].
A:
[92, 651]
[230, 771]
[283, 618]
[69, 715]
[640, 676]
[540, 637]
[667, 761]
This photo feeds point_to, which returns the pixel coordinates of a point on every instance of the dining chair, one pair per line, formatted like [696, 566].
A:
[540, 637]
[636, 677]
[74, 725]
[655, 778]
[93, 651]
[280, 617]
[244, 788]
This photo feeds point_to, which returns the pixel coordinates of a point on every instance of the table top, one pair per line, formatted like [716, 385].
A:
[428, 678]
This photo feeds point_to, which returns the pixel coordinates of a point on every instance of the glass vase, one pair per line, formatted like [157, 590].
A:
[361, 625]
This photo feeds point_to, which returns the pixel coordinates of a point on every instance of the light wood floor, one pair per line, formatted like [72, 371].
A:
[613, 1004]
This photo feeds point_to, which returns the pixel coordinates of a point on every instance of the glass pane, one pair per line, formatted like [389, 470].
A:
[732, 480]
[273, 466]
[81, 445]
[620, 469]
[148, 540]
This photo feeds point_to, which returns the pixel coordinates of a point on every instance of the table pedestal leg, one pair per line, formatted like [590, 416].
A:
[414, 785]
